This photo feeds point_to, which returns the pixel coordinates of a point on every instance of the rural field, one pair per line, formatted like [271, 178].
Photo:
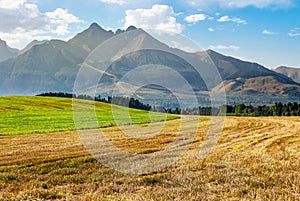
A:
[42, 157]
[27, 115]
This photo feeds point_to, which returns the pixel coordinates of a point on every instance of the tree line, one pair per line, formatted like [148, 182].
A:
[117, 100]
[277, 109]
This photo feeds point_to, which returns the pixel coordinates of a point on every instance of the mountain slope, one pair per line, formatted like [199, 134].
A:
[260, 86]
[49, 65]
[31, 44]
[6, 52]
[89, 39]
[232, 68]
[293, 73]
[131, 50]
[154, 59]
[35, 70]
[251, 79]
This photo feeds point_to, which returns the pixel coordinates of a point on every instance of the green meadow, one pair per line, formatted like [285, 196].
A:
[28, 115]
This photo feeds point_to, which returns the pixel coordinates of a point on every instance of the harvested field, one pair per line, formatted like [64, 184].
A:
[255, 159]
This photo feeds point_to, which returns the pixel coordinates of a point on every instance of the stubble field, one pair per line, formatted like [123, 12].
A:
[255, 159]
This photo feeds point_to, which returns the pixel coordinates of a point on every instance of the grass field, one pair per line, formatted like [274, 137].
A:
[255, 159]
[26, 115]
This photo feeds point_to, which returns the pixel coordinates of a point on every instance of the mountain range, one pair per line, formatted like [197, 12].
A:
[53, 65]
[293, 73]
[7, 52]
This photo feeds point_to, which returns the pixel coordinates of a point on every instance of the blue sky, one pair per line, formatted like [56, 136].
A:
[263, 31]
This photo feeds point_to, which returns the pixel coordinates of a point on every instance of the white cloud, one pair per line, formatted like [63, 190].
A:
[20, 15]
[120, 2]
[243, 3]
[160, 17]
[178, 14]
[223, 47]
[294, 32]
[24, 22]
[195, 18]
[232, 19]
[192, 3]
[20, 37]
[267, 32]
[211, 29]
[9, 4]
[61, 18]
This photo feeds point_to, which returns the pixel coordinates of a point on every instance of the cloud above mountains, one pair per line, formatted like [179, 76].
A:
[294, 32]
[120, 2]
[222, 3]
[267, 32]
[232, 19]
[60, 19]
[195, 18]
[23, 21]
[159, 17]
[243, 3]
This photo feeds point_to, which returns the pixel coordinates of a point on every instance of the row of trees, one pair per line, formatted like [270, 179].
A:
[58, 94]
[117, 100]
[277, 109]
[126, 102]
